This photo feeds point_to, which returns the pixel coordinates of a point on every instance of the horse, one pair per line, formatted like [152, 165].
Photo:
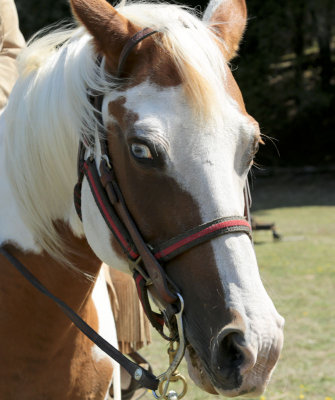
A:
[175, 128]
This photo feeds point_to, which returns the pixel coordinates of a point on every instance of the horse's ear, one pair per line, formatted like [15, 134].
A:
[109, 28]
[228, 19]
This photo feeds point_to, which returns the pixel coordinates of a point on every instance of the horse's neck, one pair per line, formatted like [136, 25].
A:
[24, 302]
[70, 285]
[40, 346]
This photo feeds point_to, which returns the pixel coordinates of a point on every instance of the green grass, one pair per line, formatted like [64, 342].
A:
[299, 275]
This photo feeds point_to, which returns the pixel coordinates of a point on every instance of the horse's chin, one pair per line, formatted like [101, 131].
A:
[196, 371]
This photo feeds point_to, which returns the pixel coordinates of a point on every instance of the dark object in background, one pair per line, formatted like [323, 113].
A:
[265, 227]
[285, 71]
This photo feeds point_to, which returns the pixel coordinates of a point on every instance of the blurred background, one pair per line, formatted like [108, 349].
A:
[285, 70]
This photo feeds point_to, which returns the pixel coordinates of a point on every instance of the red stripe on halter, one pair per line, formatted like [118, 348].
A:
[197, 235]
[107, 215]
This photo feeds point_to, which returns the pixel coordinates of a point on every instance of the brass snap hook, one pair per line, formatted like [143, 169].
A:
[172, 394]
[176, 352]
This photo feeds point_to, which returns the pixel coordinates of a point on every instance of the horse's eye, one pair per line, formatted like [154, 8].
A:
[140, 150]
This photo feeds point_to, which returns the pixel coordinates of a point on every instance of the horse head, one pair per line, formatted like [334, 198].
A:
[182, 143]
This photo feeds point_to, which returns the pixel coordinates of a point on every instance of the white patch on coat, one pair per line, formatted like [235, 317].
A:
[106, 329]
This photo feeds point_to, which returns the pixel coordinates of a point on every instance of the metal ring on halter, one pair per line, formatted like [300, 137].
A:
[164, 385]
[166, 377]
[135, 266]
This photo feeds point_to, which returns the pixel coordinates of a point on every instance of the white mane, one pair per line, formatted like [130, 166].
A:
[48, 110]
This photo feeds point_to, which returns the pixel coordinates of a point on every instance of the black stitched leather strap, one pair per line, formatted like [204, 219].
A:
[107, 210]
[131, 43]
[202, 233]
[156, 320]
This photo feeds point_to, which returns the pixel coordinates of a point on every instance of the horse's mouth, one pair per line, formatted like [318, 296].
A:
[203, 379]
[197, 372]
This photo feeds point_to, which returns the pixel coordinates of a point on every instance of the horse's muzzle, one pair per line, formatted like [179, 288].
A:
[237, 365]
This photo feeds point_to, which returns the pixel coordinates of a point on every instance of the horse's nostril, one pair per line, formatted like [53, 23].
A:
[231, 356]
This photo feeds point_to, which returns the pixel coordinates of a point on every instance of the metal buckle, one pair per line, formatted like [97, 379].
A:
[135, 266]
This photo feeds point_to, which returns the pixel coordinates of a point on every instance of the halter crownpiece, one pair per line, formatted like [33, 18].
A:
[131, 43]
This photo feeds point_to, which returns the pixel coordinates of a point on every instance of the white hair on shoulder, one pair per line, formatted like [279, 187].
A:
[49, 109]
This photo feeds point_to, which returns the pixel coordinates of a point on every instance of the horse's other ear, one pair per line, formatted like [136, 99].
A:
[228, 19]
[109, 28]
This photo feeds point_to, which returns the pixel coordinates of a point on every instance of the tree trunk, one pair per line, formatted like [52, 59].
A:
[322, 18]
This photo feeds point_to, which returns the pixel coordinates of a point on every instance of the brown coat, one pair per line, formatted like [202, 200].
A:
[11, 43]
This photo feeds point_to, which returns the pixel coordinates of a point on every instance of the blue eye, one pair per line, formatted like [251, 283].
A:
[140, 150]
